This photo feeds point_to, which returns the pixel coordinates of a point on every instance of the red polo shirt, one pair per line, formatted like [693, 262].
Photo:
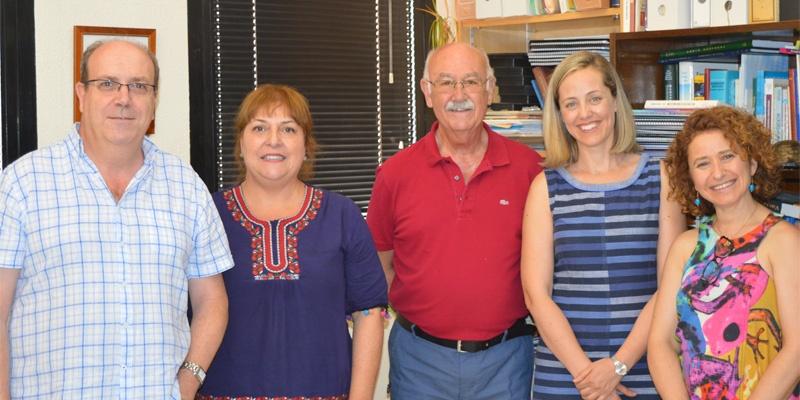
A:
[456, 246]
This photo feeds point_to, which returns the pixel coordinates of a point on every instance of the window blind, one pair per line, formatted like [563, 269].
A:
[354, 61]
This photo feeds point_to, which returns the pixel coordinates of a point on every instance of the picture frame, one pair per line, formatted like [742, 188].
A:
[84, 36]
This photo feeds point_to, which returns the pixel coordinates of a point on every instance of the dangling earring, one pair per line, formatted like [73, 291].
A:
[697, 200]
[305, 157]
[751, 187]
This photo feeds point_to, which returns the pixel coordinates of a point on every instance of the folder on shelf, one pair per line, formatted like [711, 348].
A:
[465, 9]
[488, 8]
[668, 14]
[551, 7]
[513, 8]
[566, 5]
[581, 5]
[764, 11]
[701, 13]
[707, 13]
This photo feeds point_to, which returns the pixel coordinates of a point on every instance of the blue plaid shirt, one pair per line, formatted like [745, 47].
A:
[100, 306]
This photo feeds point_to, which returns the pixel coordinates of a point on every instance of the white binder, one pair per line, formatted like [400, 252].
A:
[668, 14]
[517, 7]
[719, 13]
[488, 8]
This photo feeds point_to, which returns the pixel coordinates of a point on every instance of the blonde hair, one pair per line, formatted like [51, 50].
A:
[562, 150]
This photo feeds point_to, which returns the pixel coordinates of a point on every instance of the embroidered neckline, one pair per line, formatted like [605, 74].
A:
[210, 397]
[274, 243]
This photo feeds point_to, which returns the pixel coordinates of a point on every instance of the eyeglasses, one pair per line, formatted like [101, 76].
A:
[449, 85]
[713, 269]
[134, 88]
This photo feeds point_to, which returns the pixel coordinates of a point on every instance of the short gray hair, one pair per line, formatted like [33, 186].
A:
[489, 69]
[94, 46]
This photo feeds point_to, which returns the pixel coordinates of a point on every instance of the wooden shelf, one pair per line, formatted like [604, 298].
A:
[511, 34]
[635, 54]
[540, 19]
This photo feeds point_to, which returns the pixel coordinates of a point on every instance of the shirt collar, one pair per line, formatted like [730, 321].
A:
[75, 144]
[496, 150]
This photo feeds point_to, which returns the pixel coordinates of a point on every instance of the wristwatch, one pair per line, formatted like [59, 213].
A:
[619, 367]
[195, 369]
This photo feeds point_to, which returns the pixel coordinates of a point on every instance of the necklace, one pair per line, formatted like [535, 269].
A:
[736, 233]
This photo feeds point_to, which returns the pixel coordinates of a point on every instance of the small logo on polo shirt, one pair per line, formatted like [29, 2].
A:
[503, 202]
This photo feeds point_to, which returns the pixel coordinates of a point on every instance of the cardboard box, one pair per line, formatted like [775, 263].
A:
[581, 5]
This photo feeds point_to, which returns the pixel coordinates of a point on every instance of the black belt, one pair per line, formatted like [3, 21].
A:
[520, 328]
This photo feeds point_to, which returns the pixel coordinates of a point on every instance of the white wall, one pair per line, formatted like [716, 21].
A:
[54, 20]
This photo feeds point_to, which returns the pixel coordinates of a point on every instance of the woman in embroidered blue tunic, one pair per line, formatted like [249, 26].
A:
[304, 261]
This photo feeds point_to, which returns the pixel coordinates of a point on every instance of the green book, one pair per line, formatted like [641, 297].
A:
[723, 48]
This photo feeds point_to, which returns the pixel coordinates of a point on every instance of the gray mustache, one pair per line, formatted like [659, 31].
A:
[462, 105]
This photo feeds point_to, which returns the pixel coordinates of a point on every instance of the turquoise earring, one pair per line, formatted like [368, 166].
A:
[751, 187]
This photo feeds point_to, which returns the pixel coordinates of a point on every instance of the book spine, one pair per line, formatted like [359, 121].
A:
[717, 86]
[670, 82]
[537, 93]
[765, 93]
[685, 81]
[679, 104]
[731, 99]
[793, 117]
[785, 117]
[716, 48]
[768, 116]
[699, 85]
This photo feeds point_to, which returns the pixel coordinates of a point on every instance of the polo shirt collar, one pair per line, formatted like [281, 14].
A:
[496, 150]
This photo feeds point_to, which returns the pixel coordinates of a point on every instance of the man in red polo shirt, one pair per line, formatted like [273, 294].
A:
[446, 217]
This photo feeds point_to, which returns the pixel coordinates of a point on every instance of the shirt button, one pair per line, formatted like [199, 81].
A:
[457, 178]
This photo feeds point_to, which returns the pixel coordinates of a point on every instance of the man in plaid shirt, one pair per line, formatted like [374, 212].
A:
[104, 240]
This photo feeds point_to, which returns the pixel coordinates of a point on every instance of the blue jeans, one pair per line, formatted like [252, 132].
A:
[419, 369]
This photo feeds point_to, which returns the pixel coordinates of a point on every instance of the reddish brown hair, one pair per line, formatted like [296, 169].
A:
[270, 97]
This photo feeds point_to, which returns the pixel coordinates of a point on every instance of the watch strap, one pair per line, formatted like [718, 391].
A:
[195, 369]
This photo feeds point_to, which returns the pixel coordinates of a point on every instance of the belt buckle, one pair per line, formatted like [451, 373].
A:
[458, 347]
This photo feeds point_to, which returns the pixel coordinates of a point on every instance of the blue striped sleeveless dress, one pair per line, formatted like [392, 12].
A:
[605, 238]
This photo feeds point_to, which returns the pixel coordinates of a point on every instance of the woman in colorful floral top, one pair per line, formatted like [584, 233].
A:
[304, 261]
[726, 324]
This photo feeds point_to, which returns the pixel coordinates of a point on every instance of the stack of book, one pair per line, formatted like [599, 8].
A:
[513, 76]
[550, 52]
[656, 128]
[523, 126]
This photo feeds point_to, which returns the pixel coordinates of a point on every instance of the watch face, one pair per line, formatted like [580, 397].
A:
[620, 368]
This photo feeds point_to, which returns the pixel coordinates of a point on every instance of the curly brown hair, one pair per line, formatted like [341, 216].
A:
[749, 139]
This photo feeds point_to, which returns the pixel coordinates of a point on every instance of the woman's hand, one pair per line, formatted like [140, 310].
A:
[599, 381]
